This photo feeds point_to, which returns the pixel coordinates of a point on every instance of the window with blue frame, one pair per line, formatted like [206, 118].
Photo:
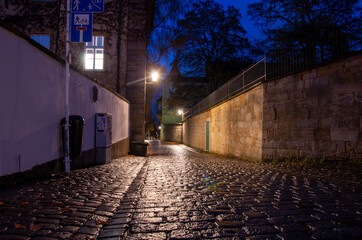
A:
[43, 39]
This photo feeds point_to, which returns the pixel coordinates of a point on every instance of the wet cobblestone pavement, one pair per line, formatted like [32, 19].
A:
[180, 193]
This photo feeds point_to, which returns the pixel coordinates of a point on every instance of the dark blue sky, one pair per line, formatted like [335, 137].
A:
[253, 32]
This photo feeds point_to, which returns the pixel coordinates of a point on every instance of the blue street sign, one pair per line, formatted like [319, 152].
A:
[81, 27]
[87, 6]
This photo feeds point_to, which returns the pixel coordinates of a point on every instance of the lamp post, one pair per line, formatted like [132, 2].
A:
[137, 144]
[67, 76]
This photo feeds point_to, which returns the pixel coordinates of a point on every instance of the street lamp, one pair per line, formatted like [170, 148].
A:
[138, 147]
[154, 76]
[179, 112]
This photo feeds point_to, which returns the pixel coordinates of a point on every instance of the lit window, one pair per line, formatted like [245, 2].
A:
[42, 39]
[94, 53]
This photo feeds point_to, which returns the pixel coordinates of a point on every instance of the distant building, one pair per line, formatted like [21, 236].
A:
[117, 54]
[152, 121]
[190, 90]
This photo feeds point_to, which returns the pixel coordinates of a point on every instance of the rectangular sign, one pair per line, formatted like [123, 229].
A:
[87, 6]
[80, 19]
[81, 27]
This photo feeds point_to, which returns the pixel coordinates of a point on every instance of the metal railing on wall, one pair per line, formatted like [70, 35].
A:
[283, 58]
[245, 80]
[293, 55]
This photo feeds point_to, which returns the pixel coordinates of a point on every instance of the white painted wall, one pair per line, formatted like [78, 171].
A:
[32, 104]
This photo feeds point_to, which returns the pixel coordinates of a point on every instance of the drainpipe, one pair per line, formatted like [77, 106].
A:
[67, 75]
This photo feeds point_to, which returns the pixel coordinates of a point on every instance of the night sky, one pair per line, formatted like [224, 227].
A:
[252, 31]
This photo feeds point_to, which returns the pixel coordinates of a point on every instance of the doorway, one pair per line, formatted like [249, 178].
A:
[207, 136]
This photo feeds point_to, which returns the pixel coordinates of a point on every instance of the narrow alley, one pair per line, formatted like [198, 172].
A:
[181, 193]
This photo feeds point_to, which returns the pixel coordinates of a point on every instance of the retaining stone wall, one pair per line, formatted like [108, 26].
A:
[315, 114]
[235, 126]
[172, 133]
[194, 131]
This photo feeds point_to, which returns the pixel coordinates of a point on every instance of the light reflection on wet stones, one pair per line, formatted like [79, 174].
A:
[176, 193]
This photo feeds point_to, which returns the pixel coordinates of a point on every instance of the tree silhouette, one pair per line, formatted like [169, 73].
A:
[210, 34]
[162, 39]
[210, 44]
[308, 30]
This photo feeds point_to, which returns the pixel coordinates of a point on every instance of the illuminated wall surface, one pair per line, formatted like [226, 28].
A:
[117, 54]
[32, 105]
[314, 114]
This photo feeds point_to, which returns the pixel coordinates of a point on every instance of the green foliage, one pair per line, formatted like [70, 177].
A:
[305, 161]
[322, 160]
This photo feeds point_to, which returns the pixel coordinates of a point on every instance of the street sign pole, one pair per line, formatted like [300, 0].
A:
[81, 36]
[88, 6]
[67, 75]
[81, 27]
[82, 19]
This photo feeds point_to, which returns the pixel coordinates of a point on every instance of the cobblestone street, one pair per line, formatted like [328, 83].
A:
[180, 193]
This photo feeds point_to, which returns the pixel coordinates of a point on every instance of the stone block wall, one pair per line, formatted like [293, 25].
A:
[194, 131]
[49, 17]
[315, 114]
[172, 133]
[136, 92]
[136, 66]
[235, 126]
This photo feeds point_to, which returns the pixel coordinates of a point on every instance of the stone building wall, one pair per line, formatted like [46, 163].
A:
[315, 114]
[136, 66]
[235, 126]
[35, 17]
[172, 133]
[194, 131]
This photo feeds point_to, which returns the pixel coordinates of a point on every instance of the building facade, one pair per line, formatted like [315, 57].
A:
[172, 108]
[115, 58]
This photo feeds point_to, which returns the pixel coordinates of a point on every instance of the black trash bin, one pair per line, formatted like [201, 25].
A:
[75, 135]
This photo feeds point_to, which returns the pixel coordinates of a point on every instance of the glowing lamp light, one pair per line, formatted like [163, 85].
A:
[154, 76]
[179, 112]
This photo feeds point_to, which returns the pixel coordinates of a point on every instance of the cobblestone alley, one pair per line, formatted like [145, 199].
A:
[181, 193]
